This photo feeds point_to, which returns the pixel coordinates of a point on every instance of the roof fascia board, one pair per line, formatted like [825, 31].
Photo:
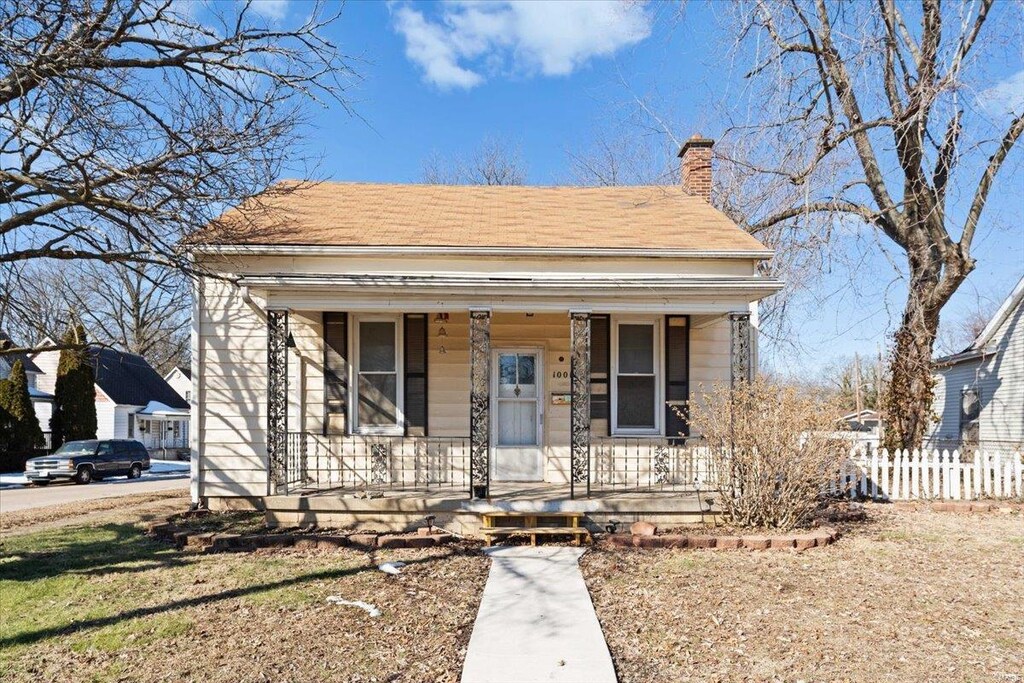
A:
[962, 357]
[534, 284]
[337, 250]
[1002, 313]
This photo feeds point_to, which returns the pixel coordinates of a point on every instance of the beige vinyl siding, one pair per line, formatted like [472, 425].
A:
[232, 344]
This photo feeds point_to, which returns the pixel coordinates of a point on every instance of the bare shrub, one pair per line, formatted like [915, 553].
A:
[771, 450]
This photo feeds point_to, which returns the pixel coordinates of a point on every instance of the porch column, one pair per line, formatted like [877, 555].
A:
[277, 399]
[741, 354]
[579, 402]
[479, 402]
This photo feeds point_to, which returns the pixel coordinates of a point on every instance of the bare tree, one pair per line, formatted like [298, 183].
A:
[868, 115]
[127, 124]
[625, 155]
[492, 163]
[142, 308]
[641, 149]
[958, 332]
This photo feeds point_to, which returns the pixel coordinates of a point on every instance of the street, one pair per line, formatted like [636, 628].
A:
[15, 498]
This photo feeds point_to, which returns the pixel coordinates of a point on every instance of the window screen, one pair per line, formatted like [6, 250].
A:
[378, 374]
[636, 382]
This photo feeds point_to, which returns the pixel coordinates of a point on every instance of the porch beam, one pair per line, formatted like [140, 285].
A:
[741, 352]
[277, 399]
[479, 402]
[579, 402]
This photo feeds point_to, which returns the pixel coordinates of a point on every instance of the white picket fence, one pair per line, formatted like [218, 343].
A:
[924, 474]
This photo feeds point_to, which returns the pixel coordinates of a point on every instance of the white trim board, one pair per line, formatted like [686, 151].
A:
[368, 250]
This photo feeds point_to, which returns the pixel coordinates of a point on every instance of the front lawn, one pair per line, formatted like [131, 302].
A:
[910, 596]
[106, 603]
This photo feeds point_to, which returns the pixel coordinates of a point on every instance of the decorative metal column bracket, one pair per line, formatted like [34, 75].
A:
[277, 400]
[579, 403]
[479, 403]
[741, 355]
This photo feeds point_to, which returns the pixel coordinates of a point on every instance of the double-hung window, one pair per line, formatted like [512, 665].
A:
[378, 390]
[636, 388]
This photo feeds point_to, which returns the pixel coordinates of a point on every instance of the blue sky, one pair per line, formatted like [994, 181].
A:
[442, 78]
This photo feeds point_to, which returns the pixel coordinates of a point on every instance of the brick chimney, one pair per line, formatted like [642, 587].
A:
[696, 167]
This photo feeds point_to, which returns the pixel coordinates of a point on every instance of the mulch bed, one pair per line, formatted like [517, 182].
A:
[906, 596]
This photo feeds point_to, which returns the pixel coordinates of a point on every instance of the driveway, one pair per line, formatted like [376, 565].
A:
[165, 476]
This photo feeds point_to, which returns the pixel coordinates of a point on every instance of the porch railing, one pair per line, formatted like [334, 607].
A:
[648, 464]
[317, 462]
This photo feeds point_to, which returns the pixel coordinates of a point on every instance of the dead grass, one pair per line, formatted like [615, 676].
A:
[131, 508]
[909, 596]
[106, 603]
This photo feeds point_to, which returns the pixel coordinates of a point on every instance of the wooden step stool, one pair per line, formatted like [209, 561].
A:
[500, 524]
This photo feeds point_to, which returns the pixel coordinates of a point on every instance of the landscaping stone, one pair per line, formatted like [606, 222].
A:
[782, 542]
[363, 540]
[332, 542]
[620, 540]
[728, 542]
[201, 541]
[420, 541]
[276, 540]
[306, 542]
[391, 542]
[700, 541]
[674, 541]
[226, 542]
[642, 529]
[756, 542]
[823, 538]
[647, 542]
[805, 542]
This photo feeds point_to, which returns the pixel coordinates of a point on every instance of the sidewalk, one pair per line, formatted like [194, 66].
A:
[536, 621]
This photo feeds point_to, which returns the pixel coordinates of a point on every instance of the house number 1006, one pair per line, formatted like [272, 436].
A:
[560, 374]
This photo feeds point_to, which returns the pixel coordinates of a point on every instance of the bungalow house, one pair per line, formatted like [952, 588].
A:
[132, 400]
[979, 392]
[513, 345]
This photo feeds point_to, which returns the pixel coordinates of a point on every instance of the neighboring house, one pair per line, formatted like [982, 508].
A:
[979, 392]
[42, 401]
[466, 338]
[863, 429]
[180, 379]
[132, 400]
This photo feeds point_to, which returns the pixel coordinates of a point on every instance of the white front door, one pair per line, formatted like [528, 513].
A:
[518, 420]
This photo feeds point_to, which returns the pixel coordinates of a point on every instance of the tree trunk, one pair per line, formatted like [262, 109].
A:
[907, 401]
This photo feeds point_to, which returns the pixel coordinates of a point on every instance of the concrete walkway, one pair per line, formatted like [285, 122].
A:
[536, 621]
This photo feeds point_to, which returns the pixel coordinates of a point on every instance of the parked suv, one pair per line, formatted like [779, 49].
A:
[84, 461]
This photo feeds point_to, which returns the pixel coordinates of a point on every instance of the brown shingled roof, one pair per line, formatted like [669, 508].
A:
[368, 215]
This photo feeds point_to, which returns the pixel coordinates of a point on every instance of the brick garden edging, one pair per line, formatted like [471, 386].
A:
[961, 506]
[800, 541]
[214, 542]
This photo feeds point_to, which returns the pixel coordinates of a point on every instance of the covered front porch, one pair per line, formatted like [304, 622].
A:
[497, 406]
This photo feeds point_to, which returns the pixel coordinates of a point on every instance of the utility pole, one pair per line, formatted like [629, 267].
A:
[856, 384]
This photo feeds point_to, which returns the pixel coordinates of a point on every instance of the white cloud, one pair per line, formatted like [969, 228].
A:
[271, 9]
[1005, 97]
[553, 37]
[428, 45]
